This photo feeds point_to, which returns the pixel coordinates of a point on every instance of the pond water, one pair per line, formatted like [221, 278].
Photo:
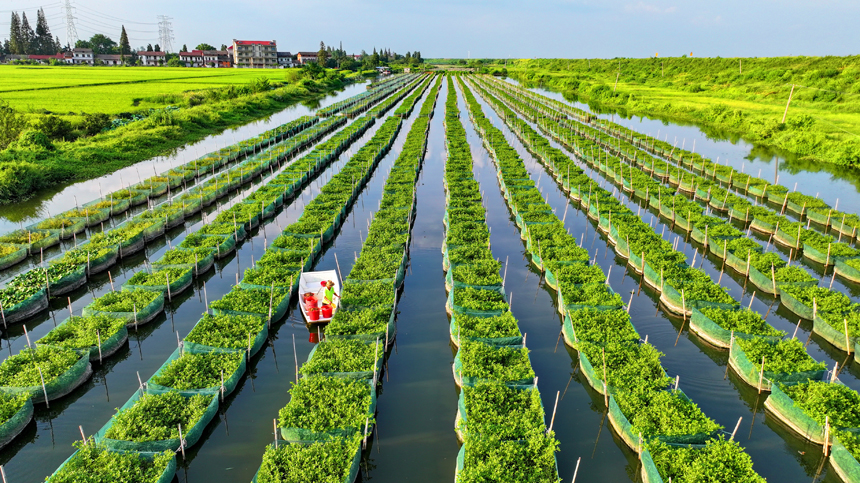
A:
[415, 439]
[830, 182]
[65, 197]
[776, 453]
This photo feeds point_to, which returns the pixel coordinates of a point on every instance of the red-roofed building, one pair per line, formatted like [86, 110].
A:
[306, 57]
[46, 59]
[259, 54]
[192, 59]
[152, 58]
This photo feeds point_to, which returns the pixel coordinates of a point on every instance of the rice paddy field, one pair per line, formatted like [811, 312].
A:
[529, 292]
[109, 90]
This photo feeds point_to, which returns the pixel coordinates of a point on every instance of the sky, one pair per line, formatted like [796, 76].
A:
[480, 28]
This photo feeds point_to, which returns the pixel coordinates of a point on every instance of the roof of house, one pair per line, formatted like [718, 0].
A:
[110, 57]
[193, 53]
[308, 54]
[284, 54]
[151, 53]
[59, 55]
[254, 42]
[215, 52]
[82, 50]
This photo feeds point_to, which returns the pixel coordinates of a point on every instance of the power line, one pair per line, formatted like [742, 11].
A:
[111, 17]
[71, 31]
[165, 33]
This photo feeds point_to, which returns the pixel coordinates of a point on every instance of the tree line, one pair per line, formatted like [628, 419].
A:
[23, 40]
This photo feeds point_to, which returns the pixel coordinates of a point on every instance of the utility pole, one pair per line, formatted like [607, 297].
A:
[165, 32]
[787, 104]
[71, 31]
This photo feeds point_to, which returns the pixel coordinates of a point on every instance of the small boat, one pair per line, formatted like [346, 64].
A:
[311, 289]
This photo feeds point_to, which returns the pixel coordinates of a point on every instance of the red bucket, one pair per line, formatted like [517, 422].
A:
[326, 311]
[314, 314]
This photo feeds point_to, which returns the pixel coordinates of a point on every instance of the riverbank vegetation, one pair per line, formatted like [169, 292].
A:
[41, 149]
[730, 97]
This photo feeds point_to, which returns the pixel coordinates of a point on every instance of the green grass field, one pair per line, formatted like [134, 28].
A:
[110, 90]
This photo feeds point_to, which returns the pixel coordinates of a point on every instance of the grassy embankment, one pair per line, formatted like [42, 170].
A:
[64, 118]
[823, 122]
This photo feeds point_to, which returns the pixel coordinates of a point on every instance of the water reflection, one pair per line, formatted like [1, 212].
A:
[829, 181]
[63, 197]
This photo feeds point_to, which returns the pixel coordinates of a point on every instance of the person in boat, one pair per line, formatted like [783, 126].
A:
[329, 294]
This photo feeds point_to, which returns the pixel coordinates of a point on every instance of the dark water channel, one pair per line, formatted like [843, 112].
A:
[45, 444]
[777, 454]
[830, 181]
[64, 197]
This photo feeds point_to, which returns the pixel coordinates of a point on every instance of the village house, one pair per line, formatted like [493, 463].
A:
[151, 58]
[259, 54]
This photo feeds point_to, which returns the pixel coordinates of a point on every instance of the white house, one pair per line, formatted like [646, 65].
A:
[192, 59]
[82, 56]
[152, 58]
[285, 60]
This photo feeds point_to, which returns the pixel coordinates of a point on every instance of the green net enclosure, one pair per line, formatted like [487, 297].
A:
[146, 420]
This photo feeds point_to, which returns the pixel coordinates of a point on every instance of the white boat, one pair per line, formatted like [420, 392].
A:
[314, 283]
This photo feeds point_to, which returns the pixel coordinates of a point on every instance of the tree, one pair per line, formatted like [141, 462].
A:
[184, 48]
[27, 36]
[15, 46]
[11, 123]
[205, 46]
[223, 47]
[322, 55]
[149, 47]
[102, 44]
[44, 41]
[157, 48]
[124, 46]
[175, 62]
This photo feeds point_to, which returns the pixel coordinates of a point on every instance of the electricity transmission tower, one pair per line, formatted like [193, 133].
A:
[71, 31]
[165, 33]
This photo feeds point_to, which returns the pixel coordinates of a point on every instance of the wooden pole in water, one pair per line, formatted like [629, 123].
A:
[787, 104]
[736, 428]
[296, 356]
[575, 470]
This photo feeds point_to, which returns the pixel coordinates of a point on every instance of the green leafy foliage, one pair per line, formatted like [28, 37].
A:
[322, 462]
[125, 301]
[603, 326]
[368, 294]
[479, 299]
[199, 371]
[228, 331]
[321, 403]
[83, 332]
[159, 277]
[819, 399]
[665, 413]
[343, 355]
[492, 460]
[156, 417]
[506, 413]
[252, 300]
[22, 369]
[93, 463]
[785, 356]
[508, 363]
[745, 321]
[10, 404]
[627, 365]
[718, 461]
[504, 325]
[366, 321]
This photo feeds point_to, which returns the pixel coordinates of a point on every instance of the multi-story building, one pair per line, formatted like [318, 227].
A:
[152, 58]
[259, 54]
[82, 56]
[306, 57]
[192, 59]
